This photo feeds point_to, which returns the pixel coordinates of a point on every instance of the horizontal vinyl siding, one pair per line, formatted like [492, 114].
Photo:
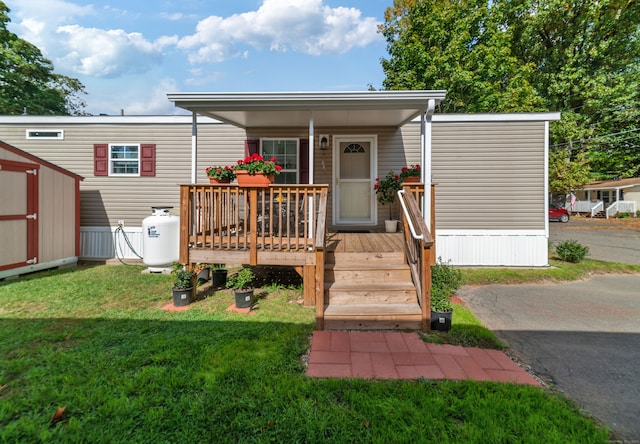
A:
[105, 200]
[489, 175]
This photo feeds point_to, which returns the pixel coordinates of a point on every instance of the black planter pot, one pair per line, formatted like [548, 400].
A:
[244, 297]
[219, 277]
[203, 275]
[182, 296]
[441, 321]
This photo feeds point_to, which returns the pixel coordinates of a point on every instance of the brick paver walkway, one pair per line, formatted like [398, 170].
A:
[399, 355]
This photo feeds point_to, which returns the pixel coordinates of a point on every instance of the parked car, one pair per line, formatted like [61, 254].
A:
[560, 214]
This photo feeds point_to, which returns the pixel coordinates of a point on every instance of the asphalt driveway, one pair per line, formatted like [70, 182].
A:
[582, 338]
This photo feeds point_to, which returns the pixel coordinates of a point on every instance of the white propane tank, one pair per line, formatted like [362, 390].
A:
[161, 239]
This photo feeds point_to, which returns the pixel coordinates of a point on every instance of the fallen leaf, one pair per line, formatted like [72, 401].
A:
[57, 416]
[366, 425]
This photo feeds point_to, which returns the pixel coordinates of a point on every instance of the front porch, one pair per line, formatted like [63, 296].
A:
[371, 280]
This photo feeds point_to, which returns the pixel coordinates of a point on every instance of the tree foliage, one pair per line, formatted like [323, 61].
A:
[580, 58]
[28, 80]
[567, 173]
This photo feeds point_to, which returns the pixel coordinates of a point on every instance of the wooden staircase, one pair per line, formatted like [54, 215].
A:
[369, 291]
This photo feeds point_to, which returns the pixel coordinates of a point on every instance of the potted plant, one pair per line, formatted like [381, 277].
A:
[220, 174]
[219, 273]
[182, 285]
[255, 170]
[202, 273]
[241, 284]
[410, 173]
[445, 280]
[386, 191]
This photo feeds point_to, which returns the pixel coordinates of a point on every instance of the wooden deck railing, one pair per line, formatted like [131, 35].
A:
[418, 247]
[228, 218]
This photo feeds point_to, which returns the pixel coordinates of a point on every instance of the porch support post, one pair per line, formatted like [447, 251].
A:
[194, 145]
[311, 149]
[311, 173]
[425, 159]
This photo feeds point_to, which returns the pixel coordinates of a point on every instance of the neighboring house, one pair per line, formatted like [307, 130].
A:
[39, 213]
[607, 198]
[490, 170]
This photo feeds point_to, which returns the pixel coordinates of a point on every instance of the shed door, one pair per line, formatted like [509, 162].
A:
[354, 162]
[18, 214]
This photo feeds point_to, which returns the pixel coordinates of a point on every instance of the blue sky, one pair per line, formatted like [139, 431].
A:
[129, 54]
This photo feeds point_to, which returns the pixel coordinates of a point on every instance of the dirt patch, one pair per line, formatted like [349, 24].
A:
[587, 223]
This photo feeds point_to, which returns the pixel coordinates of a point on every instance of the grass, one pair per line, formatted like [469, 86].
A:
[558, 271]
[96, 341]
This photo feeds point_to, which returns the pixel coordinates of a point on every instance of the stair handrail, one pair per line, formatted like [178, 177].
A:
[599, 206]
[320, 247]
[417, 249]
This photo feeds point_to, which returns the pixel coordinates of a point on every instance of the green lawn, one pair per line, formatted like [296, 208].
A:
[96, 341]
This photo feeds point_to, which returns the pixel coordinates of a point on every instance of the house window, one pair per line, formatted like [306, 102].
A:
[124, 160]
[117, 159]
[286, 152]
[45, 134]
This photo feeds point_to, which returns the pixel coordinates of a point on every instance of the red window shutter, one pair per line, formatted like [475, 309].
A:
[100, 159]
[251, 147]
[304, 160]
[148, 159]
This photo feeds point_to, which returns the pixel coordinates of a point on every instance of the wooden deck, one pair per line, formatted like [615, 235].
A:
[356, 280]
[364, 242]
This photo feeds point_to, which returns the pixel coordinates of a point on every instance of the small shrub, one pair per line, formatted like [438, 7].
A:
[624, 215]
[571, 251]
[637, 213]
[241, 280]
[445, 280]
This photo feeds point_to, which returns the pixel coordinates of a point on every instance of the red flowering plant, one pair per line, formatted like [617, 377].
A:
[409, 171]
[221, 172]
[255, 163]
[387, 189]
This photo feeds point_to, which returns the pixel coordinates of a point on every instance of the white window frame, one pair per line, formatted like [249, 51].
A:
[285, 139]
[112, 160]
[30, 136]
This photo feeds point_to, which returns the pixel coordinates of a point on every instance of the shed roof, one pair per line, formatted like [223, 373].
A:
[296, 109]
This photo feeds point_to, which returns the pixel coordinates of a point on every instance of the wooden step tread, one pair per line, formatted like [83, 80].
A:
[385, 286]
[372, 310]
[367, 266]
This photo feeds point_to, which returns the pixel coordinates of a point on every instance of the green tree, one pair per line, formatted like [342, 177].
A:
[577, 57]
[459, 47]
[587, 57]
[28, 80]
[568, 171]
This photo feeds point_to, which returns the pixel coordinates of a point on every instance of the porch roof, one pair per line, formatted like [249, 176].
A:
[296, 109]
[613, 184]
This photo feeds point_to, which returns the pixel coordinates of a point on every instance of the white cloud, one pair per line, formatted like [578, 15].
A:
[282, 25]
[111, 53]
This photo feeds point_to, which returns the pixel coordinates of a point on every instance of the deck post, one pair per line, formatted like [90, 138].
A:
[426, 288]
[319, 289]
[432, 250]
[185, 224]
[253, 226]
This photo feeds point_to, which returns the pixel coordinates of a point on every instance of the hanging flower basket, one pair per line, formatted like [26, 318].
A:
[253, 180]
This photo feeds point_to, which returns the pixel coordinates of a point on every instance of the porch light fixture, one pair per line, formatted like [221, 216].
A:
[324, 143]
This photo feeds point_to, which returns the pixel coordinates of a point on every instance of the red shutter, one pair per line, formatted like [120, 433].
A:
[100, 159]
[304, 160]
[251, 147]
[148, 159]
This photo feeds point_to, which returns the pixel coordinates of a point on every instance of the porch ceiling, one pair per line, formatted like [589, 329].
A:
[295, 109]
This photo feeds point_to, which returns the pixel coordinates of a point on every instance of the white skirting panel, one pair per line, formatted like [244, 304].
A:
[511, 248]
[108, 242]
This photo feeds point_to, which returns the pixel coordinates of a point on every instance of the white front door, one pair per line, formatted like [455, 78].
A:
[354, 161]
